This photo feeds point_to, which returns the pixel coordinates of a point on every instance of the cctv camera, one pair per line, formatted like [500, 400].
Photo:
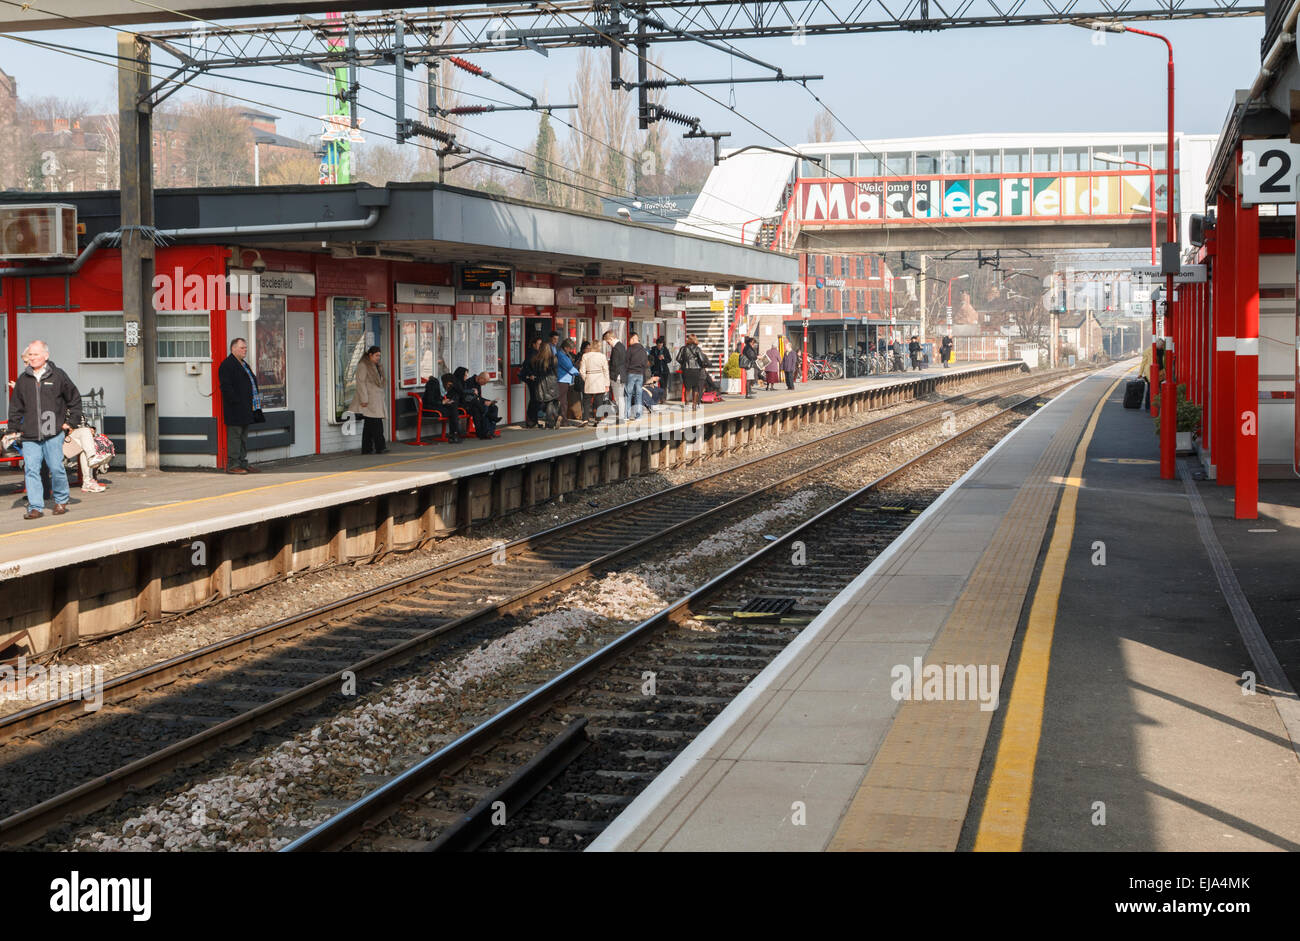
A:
[259, 265]
[624, 212]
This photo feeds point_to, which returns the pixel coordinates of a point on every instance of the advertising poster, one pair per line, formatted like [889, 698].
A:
[408, 352]
[348, 322]
[490, 348]
[516, 342]
[442, 347]
[428, 341]
[460, 344]
[475, 363]
[272, 378]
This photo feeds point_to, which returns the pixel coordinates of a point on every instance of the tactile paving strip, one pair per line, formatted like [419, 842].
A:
[917, 791]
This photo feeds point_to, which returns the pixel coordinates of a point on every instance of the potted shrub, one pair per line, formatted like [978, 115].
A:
[731, 375]
[1187, 420]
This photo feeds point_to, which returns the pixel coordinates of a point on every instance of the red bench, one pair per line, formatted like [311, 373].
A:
[421, 411]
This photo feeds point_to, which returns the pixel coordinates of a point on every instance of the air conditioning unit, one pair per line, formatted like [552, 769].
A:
[44, 230]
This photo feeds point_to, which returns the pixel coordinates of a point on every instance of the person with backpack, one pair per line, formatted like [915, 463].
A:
[548, 386]
[694, 365]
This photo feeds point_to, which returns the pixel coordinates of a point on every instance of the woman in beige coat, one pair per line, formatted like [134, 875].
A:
[594, 369]
[371, 400]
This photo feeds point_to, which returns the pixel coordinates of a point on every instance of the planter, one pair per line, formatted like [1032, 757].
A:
[730, 386]
[1183, 442]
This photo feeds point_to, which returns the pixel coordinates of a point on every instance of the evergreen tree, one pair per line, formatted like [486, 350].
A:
[544, 162]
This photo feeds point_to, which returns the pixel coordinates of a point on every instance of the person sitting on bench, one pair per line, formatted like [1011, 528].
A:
[433, 400]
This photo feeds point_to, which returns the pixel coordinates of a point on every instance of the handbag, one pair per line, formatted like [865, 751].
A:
[258, 417]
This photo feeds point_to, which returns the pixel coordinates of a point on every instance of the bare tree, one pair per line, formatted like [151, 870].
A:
[379, 164]
[288, 167]
[217, 141]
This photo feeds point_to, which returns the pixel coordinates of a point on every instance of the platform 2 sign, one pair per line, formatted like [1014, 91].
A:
[1268, 171]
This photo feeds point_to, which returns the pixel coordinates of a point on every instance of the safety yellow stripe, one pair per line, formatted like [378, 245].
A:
[1006, 806]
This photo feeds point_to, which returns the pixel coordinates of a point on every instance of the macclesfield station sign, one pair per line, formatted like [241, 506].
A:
[1018, 198]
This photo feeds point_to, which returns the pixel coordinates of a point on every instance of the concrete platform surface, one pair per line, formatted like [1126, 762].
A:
[1137, 737]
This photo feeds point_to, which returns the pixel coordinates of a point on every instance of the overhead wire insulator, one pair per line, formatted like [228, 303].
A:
[470, 109]
[465, 64]
[676, 117]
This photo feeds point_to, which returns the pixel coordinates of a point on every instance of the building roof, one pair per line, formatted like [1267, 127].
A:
[442, 224]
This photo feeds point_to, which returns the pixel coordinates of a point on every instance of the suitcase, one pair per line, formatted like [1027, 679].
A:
[1134, 390]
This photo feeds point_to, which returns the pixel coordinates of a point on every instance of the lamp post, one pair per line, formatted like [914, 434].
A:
[1169, 392]
[950, 281]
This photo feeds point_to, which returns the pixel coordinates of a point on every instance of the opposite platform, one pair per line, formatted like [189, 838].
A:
[168, 541]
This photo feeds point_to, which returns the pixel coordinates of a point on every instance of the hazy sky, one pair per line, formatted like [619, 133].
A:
[1029, 79]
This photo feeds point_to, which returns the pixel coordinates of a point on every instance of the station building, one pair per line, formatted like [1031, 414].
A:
[436, 276]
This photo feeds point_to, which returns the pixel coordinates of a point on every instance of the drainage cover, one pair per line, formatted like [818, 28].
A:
[765, 607]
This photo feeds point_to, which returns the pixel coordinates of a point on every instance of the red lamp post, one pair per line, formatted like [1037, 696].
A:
[1168, 413]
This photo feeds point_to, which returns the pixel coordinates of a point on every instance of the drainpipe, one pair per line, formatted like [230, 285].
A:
[103, 238]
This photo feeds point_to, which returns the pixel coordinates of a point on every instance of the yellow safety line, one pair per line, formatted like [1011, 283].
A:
[287, 483]
[1006, 806]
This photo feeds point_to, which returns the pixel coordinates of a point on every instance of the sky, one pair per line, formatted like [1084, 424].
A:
[1017, 79]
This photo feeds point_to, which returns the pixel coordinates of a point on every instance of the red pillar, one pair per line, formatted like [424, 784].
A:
[1222, 447]
[1245, 413]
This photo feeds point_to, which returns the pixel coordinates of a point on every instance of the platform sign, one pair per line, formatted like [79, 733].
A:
[1268, 171]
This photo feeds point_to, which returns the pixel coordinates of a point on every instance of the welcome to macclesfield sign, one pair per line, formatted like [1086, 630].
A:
[1013, 198]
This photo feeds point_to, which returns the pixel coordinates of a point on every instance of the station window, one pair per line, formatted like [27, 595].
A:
[869, 165]
[875, 300]
[840, 165]
[1015, 161]
[103, 336]
[862, 301]
[1046, 159]
[846, 300]
[808, 168]
[1158, 157]
[1138, 153]
[986, 161]
[875, 266]
[828, 262]
[1074, 158]
[927, 163]
[185, 335]
[1113, 151]
[832, 297]
[862, 268]
[956, 161]
[900, 164]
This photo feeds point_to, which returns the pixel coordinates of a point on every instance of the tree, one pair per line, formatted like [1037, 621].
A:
[823, 127]
[379, 164]
[290, 167]
[692, 162]
[217, 142]
[544, 154]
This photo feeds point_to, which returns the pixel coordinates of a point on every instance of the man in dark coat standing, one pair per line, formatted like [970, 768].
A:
[43, 407]
[241, 402]
[617, 374]
[914, 352]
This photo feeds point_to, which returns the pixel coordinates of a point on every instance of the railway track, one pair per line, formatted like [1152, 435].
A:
[184, 709]
[551, 769]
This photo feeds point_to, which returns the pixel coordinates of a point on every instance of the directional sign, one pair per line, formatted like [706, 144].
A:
[1188, 274]
[1268, 171]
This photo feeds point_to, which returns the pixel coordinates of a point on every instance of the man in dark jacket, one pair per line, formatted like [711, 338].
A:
[661, 361]
[638, 368]
[43, 406]
[241, 401]
[914, 352]
[617, 373]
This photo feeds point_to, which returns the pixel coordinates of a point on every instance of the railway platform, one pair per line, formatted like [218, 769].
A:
[169, 541]
[1064, 652]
